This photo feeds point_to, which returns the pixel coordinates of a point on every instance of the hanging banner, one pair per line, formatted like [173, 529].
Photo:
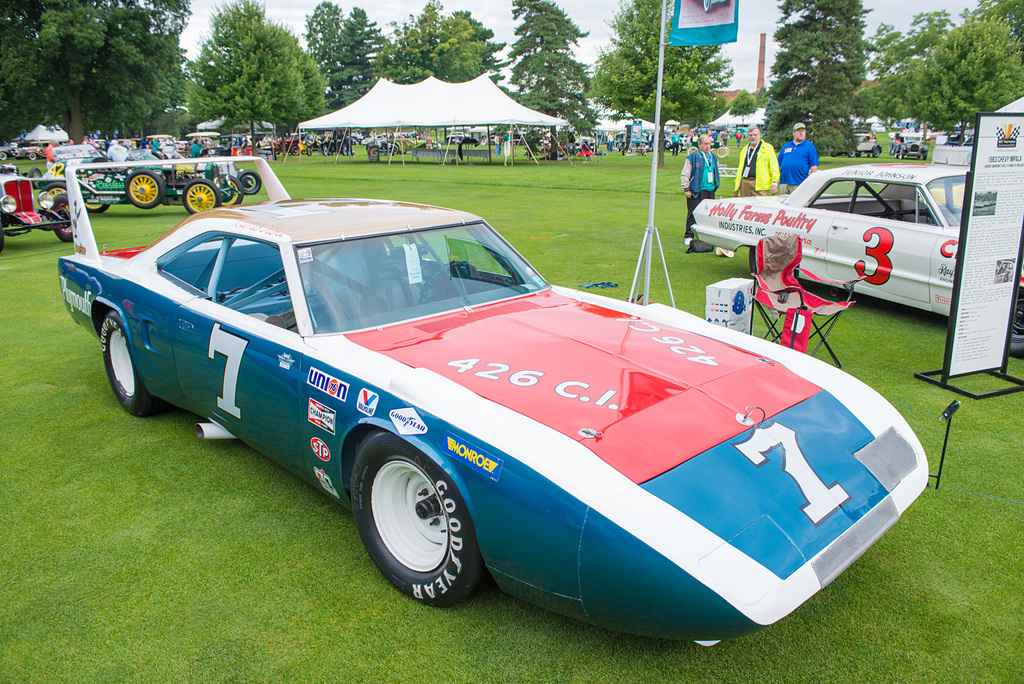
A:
[705, 22]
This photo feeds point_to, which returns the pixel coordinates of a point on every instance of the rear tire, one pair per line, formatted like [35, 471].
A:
[414, 523]
[122, 373]
[251, 182]
[235, 195]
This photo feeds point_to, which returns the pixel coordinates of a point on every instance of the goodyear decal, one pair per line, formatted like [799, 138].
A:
[327, 383]
[476, 458]
[408, 422]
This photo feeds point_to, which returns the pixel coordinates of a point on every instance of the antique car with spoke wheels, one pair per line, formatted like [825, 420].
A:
[634, 467]
[145, 181]
[21, 212]
[893, 226]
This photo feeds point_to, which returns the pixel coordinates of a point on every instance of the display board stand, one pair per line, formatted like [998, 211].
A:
[989, 253]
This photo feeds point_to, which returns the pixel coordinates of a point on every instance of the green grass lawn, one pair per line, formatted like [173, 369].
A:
[130, 551]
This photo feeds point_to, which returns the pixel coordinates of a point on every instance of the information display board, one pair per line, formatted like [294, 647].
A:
[988, 266]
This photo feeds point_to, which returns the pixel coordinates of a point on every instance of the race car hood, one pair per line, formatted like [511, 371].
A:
[644, 397]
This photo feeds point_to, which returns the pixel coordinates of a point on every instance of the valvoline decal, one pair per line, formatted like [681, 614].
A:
[475, 457]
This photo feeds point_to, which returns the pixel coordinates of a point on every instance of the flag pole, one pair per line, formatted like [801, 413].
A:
[651, 233]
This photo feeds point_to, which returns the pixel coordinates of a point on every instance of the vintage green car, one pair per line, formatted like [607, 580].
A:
[200, 186]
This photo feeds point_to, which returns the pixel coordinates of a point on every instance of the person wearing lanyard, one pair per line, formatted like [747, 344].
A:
[759, 168]
[699, 180]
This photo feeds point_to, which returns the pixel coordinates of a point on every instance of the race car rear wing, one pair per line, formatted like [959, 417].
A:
[85, 240]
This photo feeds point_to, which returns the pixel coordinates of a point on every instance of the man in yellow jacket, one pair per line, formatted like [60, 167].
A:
[759, 167]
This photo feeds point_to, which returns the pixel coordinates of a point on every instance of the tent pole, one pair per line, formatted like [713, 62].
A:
[489, 159]
[338, 145]
[651, 233]
[532, 155]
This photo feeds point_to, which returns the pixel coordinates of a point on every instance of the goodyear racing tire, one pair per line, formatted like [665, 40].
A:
[145, 189]
[1017, 333]
[200, 195]
[235, 194]
[121, 371]
[251, 182]
[62, 209]
[414, 523]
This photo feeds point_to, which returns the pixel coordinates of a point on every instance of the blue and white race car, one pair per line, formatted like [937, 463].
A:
[633, 467]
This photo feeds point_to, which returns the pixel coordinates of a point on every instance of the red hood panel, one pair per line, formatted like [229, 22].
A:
[658, 395]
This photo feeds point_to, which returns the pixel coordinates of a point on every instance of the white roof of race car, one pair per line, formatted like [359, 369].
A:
[918, 174]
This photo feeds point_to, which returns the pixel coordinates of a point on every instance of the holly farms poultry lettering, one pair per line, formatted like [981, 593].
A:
[780, 218]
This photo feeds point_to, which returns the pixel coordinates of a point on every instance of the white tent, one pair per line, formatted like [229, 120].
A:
[613, 125]
[432, 103]
[727, 119]
[1015, 106]
[43, 134]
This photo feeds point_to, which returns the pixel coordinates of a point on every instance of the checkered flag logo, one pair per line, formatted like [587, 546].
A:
[1006, 136]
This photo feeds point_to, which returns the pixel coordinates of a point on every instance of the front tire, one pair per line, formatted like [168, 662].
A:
[60, 208]
[1017, 331]
[145, 189]
[414, 523]
[201, 195]
[122, 373]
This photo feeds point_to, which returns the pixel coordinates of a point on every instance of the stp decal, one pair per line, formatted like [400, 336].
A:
[366, 402]
[327, 383]
[408, 422]
[320, 449]
[321, 416]
[475, 457]
[325, 482]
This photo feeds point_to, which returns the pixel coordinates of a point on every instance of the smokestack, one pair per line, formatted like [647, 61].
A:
[760, 67]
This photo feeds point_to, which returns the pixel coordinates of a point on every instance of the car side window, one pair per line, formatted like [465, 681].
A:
[241, 274]
[890, 201]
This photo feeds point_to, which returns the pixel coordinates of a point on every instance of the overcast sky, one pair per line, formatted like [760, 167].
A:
[756, 17]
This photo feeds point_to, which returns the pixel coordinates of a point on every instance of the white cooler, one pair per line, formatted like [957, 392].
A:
[730, 303]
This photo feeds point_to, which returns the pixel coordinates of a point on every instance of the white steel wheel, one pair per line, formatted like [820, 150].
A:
[409, 517]
[121, 363]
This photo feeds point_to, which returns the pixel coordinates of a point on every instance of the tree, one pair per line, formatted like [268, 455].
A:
[453, 48]
[87, 63]
[818, 70]
[1010, 11]
[626, 78]
[547, 76]
[344, 49]
[977, 67]
[253, 70]
[897, 60]
[744, 104]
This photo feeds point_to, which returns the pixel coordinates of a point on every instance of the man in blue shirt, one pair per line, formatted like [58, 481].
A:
[797, 160]
[699, 180]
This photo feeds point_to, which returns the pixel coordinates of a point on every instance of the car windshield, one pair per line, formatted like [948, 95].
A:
[375, 281]
[948, 193]
[142, 155]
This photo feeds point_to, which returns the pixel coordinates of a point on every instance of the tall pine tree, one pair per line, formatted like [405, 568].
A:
[818, 71]
[547, 76]
[344, 49]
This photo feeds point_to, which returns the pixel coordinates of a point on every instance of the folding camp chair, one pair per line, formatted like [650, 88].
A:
[785, 306]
